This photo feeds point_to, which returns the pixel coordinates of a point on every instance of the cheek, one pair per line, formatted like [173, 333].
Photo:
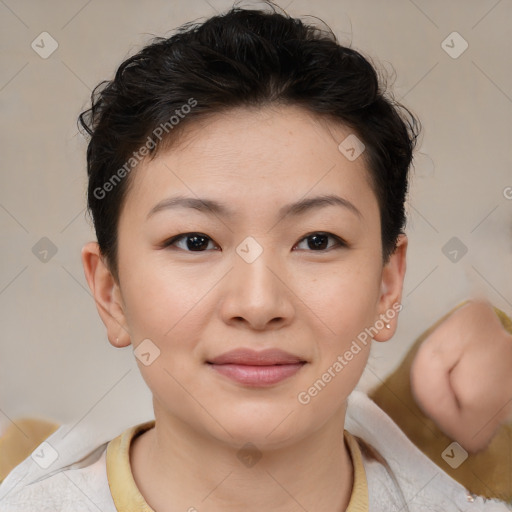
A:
[159, 301]
[165, 307]
[344, 305]
[344, 300]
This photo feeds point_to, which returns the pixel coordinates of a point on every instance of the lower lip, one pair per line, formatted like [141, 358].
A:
[257, 375]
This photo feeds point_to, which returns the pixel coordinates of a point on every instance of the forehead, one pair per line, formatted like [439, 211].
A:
[253, 155]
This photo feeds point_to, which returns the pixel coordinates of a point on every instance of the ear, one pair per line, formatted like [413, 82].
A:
[107, 295]
[389, 304]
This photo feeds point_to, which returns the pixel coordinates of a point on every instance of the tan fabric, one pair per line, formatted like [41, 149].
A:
[123, 488]
[359, 499]
[128, 498]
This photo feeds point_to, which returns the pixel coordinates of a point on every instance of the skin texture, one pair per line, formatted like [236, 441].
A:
[197, 305]
[466, 363]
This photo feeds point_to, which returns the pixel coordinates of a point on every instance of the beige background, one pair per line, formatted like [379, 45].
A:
[55, 360]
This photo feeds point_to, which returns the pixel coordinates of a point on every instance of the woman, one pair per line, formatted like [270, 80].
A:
[247, 180]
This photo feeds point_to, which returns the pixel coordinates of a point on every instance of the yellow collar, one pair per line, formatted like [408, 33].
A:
[127, 497]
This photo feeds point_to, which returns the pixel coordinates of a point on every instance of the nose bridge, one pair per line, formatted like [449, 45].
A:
[255, 293]
[252, 269]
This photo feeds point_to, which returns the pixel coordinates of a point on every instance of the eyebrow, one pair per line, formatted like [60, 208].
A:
[212, 207]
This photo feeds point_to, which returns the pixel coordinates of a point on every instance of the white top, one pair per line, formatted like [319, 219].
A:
[75, 478]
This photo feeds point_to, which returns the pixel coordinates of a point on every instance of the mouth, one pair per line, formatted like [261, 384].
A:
[257, 369]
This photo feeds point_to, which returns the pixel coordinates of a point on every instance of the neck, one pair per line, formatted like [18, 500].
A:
[176, 468]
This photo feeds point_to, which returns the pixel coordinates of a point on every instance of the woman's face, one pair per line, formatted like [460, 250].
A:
[259, 274]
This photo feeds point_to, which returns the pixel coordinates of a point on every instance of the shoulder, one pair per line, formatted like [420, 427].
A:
[398, 474]
[67, 472]
[79, 487]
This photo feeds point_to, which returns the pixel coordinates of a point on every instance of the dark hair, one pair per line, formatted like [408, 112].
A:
[241, 58]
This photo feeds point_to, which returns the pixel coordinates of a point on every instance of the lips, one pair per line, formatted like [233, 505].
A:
[249, 357]
[257, 369]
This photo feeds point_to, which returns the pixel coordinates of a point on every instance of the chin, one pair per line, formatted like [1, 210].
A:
[267, 428]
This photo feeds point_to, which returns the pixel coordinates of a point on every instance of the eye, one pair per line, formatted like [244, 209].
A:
[193, 242]
[319, 241]
[199, 242]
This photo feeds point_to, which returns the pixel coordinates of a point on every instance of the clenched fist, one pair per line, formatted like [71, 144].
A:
[461, 376]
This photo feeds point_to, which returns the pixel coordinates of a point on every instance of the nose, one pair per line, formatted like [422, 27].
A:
[256, 294]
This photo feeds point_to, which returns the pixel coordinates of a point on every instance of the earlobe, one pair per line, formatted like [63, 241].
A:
[106, 294]
[393, 275]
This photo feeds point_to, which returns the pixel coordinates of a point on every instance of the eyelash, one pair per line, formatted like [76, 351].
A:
[340, 243]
